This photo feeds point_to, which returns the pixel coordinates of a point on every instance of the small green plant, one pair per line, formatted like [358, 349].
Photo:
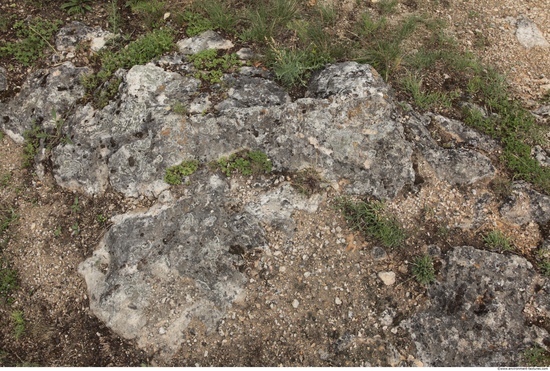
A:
[75, 229]
[196, 23]
[33, 36]
[423, 269]
[57, 232]
[114, 17]
[5, 180]
[140, 51]
[545, 268]
[536, 357]
[370, 219]
[19, 321]
[179, 108]
[210, 67]
[246, 163]
[150, 12]
[497, 240]
[101, 219]
[427, 100]
[268, 19]
[76, 6]
[293, 67]
[220, 14]
[7, 220]
[175, 174]
[75, 207]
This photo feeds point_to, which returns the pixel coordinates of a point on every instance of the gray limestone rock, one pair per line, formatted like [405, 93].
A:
[529, 35]
[70, 36]
[350, 138]
[171, 264]
[464, 135]
[525, 205]
[247, 91]
[349, 79]
[476, 316]
[454, 165]
[45, 91]
[204, 41]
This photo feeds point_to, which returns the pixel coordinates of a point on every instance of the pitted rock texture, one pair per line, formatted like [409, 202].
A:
[156, 271]
[72, 35]
[351, 136]
[454, 165]
[173, 263]
[476, 316]
[57, 89]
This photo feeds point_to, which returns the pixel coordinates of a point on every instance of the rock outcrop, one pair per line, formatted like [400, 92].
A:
[156, 271]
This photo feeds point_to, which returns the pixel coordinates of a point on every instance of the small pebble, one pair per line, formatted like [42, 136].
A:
[387, 277]
[337, 301]
[295, 303]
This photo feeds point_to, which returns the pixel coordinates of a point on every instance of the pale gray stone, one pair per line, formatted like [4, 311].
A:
[529, 35]
[206, 40]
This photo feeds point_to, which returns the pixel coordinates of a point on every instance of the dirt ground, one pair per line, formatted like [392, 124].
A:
[313, 299]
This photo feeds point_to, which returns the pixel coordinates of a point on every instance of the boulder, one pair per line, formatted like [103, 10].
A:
[76, 33]
[529, 35]
[525, 205]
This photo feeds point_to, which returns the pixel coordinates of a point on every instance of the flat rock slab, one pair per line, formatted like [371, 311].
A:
[476, 316]
[175, 262]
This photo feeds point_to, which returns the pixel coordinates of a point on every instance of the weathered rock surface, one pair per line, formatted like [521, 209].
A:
[476, 314]
[156, 271]
[76, 33]
[454, 165]
[529, 35]
[525, 205]
[175, 262]
[56, 89]
[204, 41]
[350, 136]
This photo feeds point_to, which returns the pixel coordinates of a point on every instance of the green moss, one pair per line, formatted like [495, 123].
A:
[174, 174]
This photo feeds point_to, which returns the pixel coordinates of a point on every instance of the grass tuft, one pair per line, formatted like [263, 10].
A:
[370, 219]
[496, 240]
[423, 269]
